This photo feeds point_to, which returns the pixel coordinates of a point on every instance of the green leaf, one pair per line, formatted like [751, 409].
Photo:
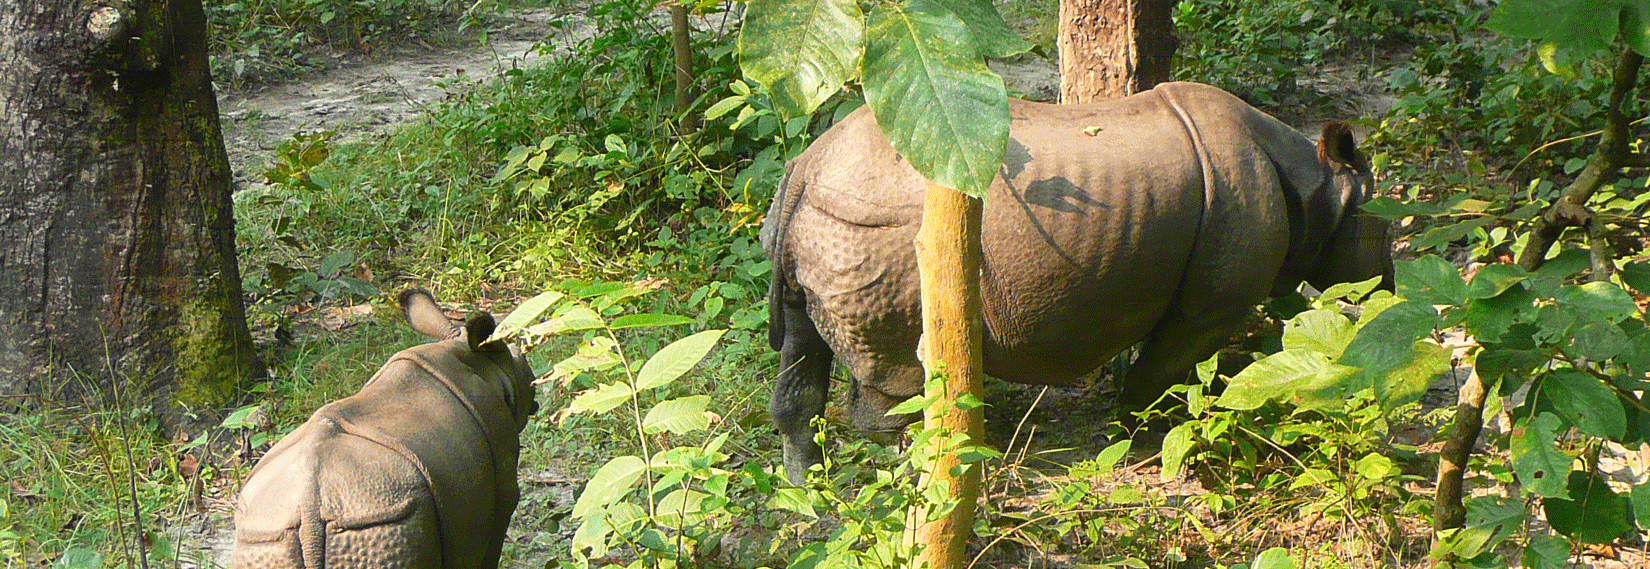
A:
[993, 36]
[525, 313]
[1407, 381]
[1601, 299]
[1387, 341]
[1490, 521]
[1108, 458]
[1576, 27]
[793, 499]
[610, 483]
[239, 419]
[933, 96]
[1375, 467]
[1492, 280]
[1635, 25]
[802, 50]
[1540, 466]
[1586, 402]
[1547, 551]
[1432, 280]
[680, 416]
[602, 399]
[649, 321]
[1589, 512]
[1391, 208]
[595, 354]
[1442, 235]
[1324, 331]
[1640, 496]
[1599, 341]
[913, 405]
[1274, 558]
[77, 557]
[676, 359]
[1352, 292]
[1176, 445]
[1637, 275]
[1488, 318]
[573, 319]
[1278, 377]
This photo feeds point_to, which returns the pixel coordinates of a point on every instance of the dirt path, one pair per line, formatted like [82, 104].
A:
[364, 96]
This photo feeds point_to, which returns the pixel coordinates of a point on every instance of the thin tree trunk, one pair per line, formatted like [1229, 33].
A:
[1448, 510]
[948, 259]
[681, 44]
[117, 235]
[1114, 48]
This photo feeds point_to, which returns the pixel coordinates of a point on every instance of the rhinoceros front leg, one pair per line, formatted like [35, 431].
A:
[801, 390]
[1169, 354]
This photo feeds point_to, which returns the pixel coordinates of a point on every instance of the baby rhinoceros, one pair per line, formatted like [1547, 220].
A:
[418, 469]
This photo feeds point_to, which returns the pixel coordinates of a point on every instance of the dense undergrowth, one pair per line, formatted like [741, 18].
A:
[584, 177]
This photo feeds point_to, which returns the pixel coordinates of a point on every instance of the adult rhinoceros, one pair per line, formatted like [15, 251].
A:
[418, 469]
[1161, 217]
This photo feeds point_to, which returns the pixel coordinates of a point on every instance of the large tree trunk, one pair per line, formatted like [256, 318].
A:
[1114, 48]
[117, 235]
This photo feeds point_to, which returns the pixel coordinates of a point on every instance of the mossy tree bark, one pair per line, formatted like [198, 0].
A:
[116, 223]
[1114, 48]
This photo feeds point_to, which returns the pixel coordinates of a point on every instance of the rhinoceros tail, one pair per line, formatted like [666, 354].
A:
[774, 227]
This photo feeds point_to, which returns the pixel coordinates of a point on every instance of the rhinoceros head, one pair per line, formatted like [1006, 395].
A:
[426, 317]
[1357, 248]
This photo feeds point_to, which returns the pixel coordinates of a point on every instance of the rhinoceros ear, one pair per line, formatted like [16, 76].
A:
[1338, 146]
[476, 331]
[419, 306]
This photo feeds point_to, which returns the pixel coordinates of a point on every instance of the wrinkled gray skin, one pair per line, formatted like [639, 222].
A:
[1183, 209]
[418, 469]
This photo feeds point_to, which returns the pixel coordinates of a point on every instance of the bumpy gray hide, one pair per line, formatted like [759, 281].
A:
[1161, 217]
[418, 469]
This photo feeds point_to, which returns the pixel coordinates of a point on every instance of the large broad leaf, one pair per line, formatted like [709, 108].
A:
[933, 96]
[1540, 466]
[1587, 403]
[1589, 511]
[1323, 330]
[676, 359]
[802, 50]
[1568, 30]
[1296, 376]
[1432, 280]
[1488, 318]
[1637, 275]
[1388, 341]
[611, 482]
[680, 416]
[1495, 279]
[1407, 381]
[991, 34]
[1598, 299]
[1490, 521]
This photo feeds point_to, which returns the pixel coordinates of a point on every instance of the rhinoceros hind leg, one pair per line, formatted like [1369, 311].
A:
[799, 394]
[413, 542]
[1171, 351]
